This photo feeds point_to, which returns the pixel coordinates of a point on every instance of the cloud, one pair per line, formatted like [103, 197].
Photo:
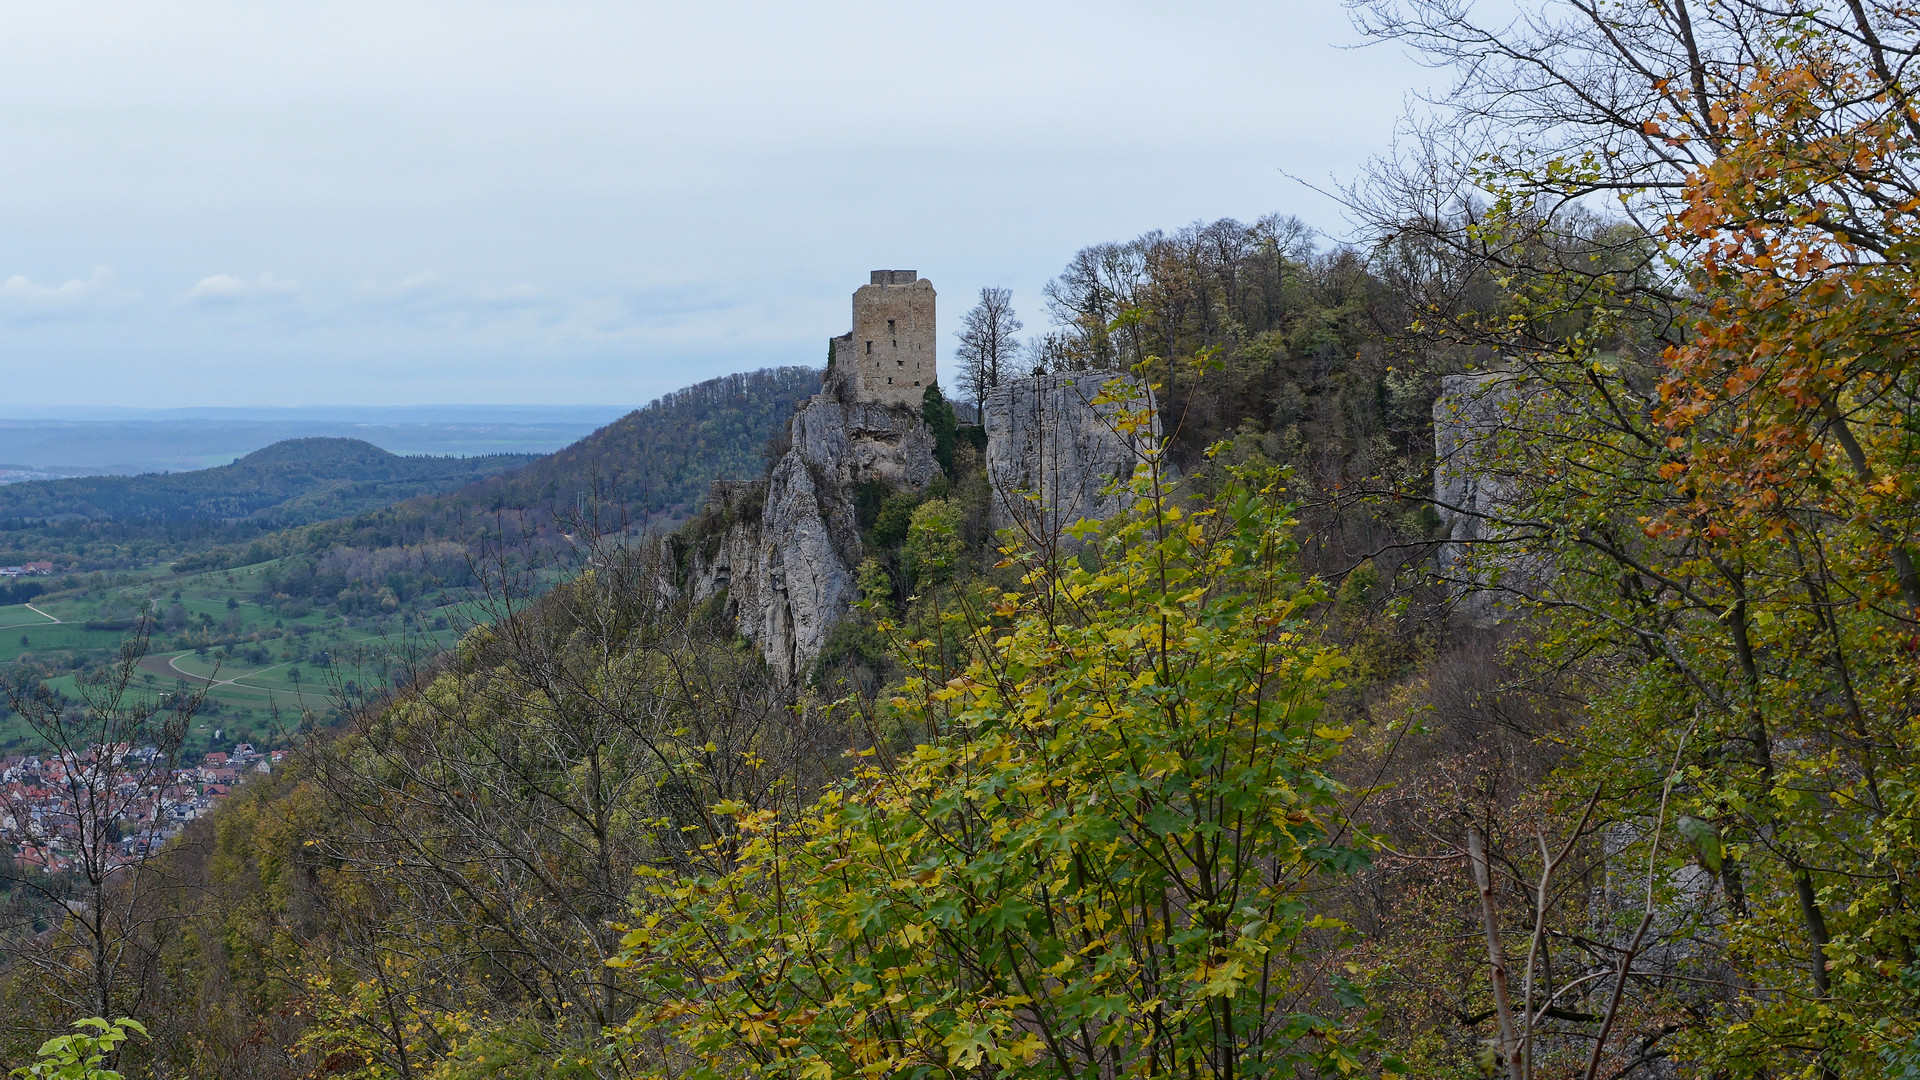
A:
[407, 292]
[21, 287]
[428, 300]
[518, 297]
[228, 289]
[24, 300]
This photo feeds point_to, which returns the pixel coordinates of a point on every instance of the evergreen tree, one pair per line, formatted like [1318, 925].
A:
[938, 414]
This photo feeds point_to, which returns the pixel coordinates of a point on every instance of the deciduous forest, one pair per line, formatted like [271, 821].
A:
[1505, 667]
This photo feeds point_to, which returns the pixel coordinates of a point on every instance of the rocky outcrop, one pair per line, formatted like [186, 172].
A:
[1467, 485]
[721, 548]
[804, 580]
[1055, 457]
[780, 554]
[1471, 485]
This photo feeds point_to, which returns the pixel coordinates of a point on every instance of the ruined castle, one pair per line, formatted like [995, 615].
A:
[888, 356]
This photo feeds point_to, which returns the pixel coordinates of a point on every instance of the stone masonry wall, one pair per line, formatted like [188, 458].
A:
[888, 357]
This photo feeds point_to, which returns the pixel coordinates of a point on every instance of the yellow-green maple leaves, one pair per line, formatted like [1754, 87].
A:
[1097, 867]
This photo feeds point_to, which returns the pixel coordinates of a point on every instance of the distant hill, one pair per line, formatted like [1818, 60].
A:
[295, 482]
[129, 442]
[651, 466]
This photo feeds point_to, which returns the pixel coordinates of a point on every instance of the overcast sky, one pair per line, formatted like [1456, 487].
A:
[405, 203]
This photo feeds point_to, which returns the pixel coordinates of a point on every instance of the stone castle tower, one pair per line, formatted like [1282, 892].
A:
[887, 357]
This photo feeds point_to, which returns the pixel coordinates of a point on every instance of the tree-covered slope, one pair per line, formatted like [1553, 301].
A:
[652, 465]
[294, 482]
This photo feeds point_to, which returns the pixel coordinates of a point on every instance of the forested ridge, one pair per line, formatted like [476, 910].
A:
[293, 482]
[310, 495]
[643, 471]
[1295, 768]
[650, 466]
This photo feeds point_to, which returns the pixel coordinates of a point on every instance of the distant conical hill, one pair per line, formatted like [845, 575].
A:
[294, 482]
[318, 452]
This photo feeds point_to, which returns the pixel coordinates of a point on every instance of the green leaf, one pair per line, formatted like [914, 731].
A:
[1705, 840]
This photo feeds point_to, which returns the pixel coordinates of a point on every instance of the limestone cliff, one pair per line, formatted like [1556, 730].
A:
[1466, 485]
[1053, 455]
[1471, 485]
[783, 550]
[779, 555]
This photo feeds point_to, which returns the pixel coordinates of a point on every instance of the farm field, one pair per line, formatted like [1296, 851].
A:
[268, 666]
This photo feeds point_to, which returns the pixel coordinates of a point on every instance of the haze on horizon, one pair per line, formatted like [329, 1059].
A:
[230, 204]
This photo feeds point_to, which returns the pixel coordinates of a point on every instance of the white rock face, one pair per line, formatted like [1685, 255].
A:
[805, 585]
[787, 548]
[1471, 485]
[1054, 457]
[1466, 482]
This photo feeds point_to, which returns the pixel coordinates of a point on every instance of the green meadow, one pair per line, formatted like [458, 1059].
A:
[266, 668]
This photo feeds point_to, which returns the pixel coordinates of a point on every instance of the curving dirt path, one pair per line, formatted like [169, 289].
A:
[158, 665]
[56, 620]
[164, 665]
[171, 667]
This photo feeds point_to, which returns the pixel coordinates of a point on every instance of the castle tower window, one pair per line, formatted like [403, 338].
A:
[869, 348]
